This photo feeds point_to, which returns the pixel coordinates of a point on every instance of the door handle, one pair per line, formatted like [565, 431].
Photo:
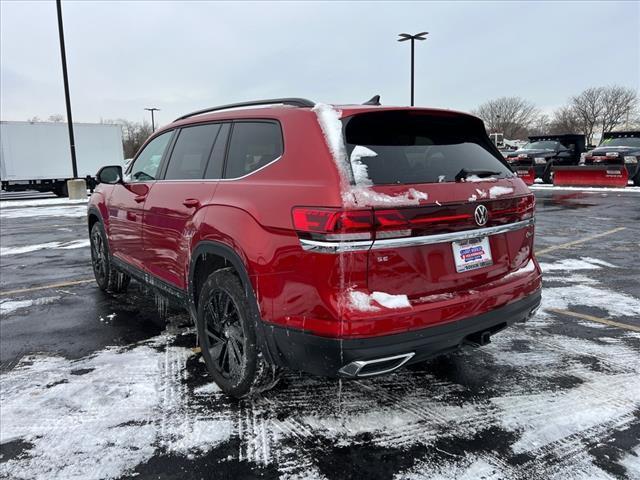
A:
[140, 198]
[191, 203]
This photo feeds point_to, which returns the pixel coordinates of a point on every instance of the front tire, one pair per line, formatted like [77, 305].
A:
[227, 337]
[107, 277]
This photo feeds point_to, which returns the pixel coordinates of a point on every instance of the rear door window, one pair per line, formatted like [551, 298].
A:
[253, 145]
[406, 147]
[191, 152]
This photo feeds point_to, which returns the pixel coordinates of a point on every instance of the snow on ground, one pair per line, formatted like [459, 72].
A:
[579, 289]
[45, 202]
[44, 246]
[8, 306]
[587, 189]
[99, 417]
[543, 409]
[45, 211]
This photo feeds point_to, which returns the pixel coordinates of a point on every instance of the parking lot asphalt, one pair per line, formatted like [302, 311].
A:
[92, 385]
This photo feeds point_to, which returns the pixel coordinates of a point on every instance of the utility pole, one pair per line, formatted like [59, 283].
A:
[153, 123]
[403, 38]
[67, 98]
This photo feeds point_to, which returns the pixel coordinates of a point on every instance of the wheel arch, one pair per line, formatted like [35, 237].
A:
[209, 256]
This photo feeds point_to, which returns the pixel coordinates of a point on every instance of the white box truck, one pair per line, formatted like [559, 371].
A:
[36, 156]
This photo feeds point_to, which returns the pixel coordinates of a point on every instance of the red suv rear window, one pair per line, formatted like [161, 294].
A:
[405, 147]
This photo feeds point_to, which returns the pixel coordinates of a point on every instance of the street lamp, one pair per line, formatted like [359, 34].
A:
[67, 97]
[403, 38]
[153, 123]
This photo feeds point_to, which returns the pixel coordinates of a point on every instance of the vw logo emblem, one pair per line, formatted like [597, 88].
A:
[481, 215]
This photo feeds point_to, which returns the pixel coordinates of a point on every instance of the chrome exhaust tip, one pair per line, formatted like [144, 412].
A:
[379, 366]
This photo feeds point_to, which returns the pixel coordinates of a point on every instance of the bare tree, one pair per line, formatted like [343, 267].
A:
[134, 134]
[56, 117]
[565, 120]
[511, 116]
[540, 125]
[588, 108]
[618, 103]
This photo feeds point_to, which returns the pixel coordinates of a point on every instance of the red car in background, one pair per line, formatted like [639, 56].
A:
[338, 240]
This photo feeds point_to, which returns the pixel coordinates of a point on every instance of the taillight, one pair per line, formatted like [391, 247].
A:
[526, 206]
[391, 219]
[334, 225]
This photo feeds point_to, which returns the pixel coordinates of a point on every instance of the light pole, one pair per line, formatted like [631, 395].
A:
[403, 38]
[153, 123]
[67, 98]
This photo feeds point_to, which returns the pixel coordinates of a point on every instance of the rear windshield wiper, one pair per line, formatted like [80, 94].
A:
[464, 173]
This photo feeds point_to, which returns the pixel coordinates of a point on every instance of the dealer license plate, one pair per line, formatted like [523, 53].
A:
[472, 254]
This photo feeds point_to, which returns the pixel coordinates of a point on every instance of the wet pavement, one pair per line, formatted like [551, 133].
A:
[91, 385]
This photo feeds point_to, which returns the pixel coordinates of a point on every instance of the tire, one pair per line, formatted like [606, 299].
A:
[60, 190]
[547, 176]
[226, 328]
[636, 179]
[108, 278]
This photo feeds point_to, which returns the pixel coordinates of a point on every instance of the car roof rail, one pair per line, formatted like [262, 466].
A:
[296, 102]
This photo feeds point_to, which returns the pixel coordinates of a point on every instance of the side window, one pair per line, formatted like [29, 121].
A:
[145, 167]
[214, 169]
[253, 145]
[191, 152]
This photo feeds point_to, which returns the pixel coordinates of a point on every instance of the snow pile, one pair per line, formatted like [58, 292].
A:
[475, 178]
[497, 191]
[362, 196]
[329, 120]
[44, 246]
[360, 173]
[364, 302]
[359, 195]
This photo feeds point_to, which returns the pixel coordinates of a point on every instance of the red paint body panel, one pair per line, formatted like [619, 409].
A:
[168, 226]
[304, 289]
[126, 209]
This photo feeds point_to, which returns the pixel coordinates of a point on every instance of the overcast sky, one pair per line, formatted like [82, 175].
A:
[124, 56]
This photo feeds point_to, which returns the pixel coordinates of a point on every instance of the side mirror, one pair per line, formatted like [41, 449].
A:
[111, 174]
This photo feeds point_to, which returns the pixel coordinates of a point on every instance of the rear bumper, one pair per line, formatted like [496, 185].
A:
[332, 357]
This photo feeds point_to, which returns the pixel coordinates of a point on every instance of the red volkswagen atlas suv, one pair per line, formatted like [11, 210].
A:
[343, 241]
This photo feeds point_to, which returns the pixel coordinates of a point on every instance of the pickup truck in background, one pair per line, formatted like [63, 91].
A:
[536, 158]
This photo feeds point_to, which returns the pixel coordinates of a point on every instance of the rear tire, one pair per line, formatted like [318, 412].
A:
[547, 176]
[636, 179]
[227, 337]
[108, 278]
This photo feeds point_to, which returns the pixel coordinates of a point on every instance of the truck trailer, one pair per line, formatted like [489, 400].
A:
[36, 155]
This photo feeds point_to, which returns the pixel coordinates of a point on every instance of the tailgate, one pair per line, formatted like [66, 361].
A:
[422, 262]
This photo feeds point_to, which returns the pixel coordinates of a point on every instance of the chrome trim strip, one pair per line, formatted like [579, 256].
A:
[339, 247]
[451, 237]
[353, 369]
[334, 247]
